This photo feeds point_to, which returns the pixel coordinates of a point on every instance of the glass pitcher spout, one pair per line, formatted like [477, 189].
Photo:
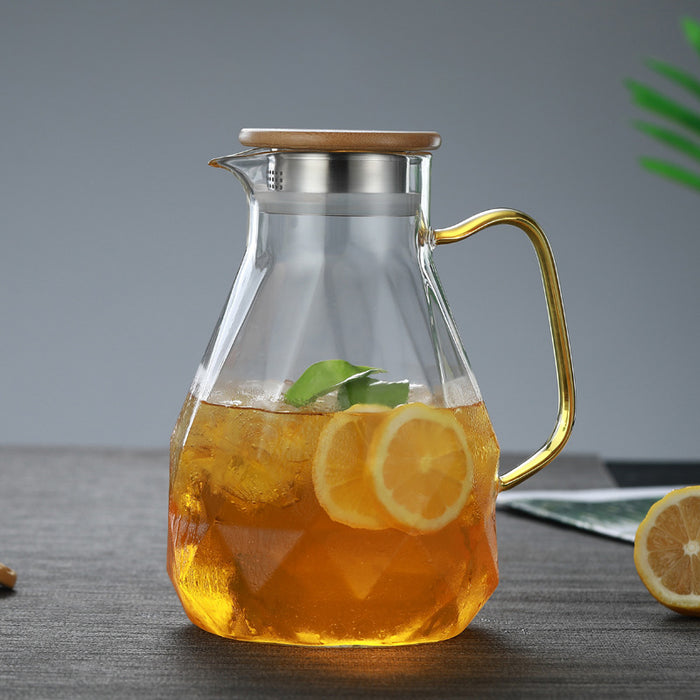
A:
[244, 165]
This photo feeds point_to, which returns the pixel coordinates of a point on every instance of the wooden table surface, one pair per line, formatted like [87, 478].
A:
[94, 615]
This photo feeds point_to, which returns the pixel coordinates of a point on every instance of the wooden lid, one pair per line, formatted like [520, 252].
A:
[336, 140]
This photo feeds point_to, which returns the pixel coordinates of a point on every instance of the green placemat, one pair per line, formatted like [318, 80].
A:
[610, 512]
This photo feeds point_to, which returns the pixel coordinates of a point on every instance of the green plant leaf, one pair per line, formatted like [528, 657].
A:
[678, 76]
[670, 138]
[691, 29]
[672, 172]
[369, 390]
[656, 102]
[323, 377]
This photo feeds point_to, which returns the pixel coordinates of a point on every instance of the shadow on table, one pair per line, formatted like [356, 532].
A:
[476, 657]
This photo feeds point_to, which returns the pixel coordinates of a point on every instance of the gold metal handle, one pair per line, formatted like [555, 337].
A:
[557, 326]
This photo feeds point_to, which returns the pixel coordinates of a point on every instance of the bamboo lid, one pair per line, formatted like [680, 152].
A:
[337, 140]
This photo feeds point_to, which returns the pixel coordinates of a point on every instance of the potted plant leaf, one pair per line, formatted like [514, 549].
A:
[685, 139]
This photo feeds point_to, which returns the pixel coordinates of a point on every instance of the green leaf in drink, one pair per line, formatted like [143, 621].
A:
[353, 383]
[370, 390]
[323, 377]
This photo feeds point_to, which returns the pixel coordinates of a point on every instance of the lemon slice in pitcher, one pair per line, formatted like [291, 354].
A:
[342, 484]
[421, 466]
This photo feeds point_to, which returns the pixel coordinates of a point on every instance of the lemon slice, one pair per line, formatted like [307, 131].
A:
[367, 408]
[342, 484]
[421, 467]
[667, 550]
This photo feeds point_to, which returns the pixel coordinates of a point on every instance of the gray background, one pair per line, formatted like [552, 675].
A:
[119, 245]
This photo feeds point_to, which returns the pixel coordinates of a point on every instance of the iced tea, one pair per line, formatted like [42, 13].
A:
[254, 555]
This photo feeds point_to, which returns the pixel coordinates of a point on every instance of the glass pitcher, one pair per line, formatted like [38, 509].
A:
[333, 471]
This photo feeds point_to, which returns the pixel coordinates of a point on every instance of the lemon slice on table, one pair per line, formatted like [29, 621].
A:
[667, 550]
[421, 467]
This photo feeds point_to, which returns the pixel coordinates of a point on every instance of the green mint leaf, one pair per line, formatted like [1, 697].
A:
[323, 377]
[368, 390]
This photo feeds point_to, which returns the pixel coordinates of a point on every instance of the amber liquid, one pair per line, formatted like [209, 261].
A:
[254, 556]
